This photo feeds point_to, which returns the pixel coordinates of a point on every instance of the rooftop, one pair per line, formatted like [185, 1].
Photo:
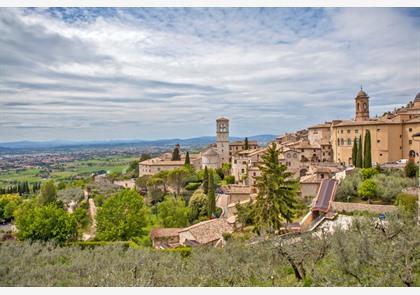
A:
[164, 232]
[209, 231]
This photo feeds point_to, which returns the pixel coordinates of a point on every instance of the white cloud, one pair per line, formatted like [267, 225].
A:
[150, 73]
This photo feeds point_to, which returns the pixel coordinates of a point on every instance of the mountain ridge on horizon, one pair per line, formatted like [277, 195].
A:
[201, 140]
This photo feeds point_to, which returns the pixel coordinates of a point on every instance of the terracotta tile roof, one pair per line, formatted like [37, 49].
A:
[309, 179]
[164, 232]
[209, 231]
[370, 122]
[325, 125]
[237, 189]
[242, 142]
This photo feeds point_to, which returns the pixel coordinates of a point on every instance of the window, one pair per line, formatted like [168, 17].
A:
[244, 162]
[410, 129]
[349, 141]
[342, 141]
[348, 130]
[356, 131]
[380, 155]
[243, 170]
[338, 141]
[410, 141]
[378, 141]
[342, 131]
[377, 130]
[295, 156]
[255, 173]
[235, 161]
[400, 135]
[288, 155]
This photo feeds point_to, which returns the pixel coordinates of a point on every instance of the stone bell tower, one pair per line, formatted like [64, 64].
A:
[222, 139]
[362, 106]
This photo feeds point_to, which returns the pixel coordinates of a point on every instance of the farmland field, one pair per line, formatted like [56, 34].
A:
[63, 171]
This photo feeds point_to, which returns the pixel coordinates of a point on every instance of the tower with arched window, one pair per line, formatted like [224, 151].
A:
[362, 106]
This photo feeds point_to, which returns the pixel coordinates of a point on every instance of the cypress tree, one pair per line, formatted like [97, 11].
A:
[367, 152]
[206, 180]
[187, 159]
[359, 158]
[354, 153]
[211, 196]
[175, 154]
[246, 144]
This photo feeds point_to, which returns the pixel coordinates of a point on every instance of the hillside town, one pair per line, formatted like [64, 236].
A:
[319, 157]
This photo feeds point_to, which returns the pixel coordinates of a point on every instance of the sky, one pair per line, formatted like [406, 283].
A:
[137, 73]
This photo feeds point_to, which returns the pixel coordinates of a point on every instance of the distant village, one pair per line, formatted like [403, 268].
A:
[319, 156]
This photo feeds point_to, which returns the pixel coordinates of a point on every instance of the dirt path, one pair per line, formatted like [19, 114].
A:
[92, 213]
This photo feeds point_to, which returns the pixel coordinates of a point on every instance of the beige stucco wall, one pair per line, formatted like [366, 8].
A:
[316, 135]
[386, 140]
[155, 168]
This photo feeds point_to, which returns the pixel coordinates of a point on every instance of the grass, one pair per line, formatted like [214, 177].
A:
[68, 170]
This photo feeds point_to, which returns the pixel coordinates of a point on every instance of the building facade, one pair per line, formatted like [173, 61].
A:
[391, 134]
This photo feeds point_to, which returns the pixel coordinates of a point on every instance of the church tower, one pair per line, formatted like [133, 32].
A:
[362, 106]
[222, 140]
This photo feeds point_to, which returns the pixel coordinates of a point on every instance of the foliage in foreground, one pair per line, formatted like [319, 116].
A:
[122, 216]
[42, 223]
[364, 255]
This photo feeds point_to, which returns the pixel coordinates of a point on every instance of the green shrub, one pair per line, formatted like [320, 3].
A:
[411, 169]
[389, 186]
[406, 202]
[184, 251]
[368, 189]
[347, 189]
[368, 173]
[230, 179]
[8, 204]
[227, 236]
[192, 186]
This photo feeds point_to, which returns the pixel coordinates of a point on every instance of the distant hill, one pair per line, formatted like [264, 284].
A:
[64, 144]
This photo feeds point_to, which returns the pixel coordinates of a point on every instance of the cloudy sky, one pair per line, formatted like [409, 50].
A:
[162, 73]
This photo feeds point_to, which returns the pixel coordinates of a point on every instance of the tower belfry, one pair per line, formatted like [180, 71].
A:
[222, 139]
[362, 106]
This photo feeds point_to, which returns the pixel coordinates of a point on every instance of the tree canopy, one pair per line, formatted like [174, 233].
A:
[122, 217]
[48, 193]
[45, 222]
[173, 212]
[198, 206]
[277, 191]
[8, 204]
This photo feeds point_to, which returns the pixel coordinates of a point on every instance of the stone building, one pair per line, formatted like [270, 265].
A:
[391, 134]
[164, 163]
[223, 151]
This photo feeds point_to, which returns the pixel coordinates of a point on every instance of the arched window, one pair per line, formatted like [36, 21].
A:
[349, 141]
[365, 106]
[342, 141]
